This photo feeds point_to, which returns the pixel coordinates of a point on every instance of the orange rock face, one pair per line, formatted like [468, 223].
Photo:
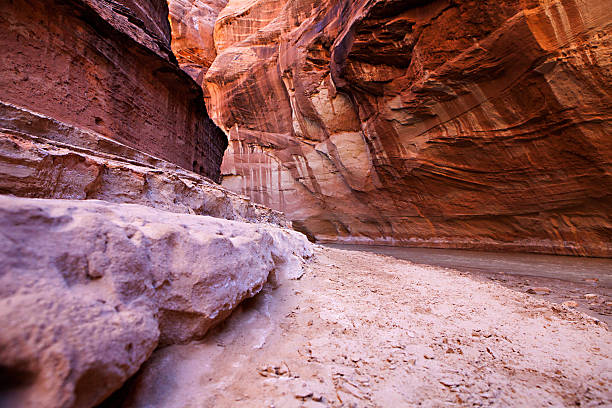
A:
[193, 23]
[106, 67]
[465, 124]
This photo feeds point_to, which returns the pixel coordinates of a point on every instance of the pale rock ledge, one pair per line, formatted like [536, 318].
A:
[88, 289]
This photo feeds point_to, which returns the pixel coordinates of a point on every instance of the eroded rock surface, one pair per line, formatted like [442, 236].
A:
[88, 289]
[95, 107]
[439, 123]
[37, 167]
[107, 67]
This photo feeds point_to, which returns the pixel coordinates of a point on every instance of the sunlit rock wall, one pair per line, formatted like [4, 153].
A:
[438, 123]
[193, 23]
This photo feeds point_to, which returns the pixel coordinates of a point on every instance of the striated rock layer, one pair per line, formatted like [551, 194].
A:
[439, 123]
[88, 289]
[93, 106]
[107, 67]
[35, 167]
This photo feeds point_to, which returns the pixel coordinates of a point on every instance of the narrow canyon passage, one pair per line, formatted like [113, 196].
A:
[365, 330]
[166, 167]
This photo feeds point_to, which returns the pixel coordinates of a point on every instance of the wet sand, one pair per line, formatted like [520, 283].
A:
[569, 278]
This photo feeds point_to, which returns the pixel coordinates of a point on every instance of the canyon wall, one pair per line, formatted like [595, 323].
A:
[465, 124]
[115, 240]
[106, 67]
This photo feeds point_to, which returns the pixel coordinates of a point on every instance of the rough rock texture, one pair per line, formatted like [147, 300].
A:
[471, 124]
[107, 67]
[37, 167]
[88, 289]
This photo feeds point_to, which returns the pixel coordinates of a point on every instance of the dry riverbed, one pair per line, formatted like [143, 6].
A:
[578, 282]
[365, 330]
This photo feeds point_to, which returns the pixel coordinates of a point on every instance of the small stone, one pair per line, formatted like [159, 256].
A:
[450, 382]
[303, 395]
[264, 371]
[590, 296]
[97, 262]
[539, 291]
[591, 280]
[570, 303]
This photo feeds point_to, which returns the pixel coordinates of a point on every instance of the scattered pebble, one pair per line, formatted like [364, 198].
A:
[590, 296]
[450, 382]
[317, 397]
[539, 291]
[570, 303]
[303, 395]
[272, 371]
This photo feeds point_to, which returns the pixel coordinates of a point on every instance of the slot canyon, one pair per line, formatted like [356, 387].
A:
[305, 203]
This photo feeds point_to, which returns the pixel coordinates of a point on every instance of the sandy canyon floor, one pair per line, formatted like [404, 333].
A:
[366, 330]
[585, 283]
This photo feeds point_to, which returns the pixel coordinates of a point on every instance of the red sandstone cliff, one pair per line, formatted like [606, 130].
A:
[104, 67]
[440, 123]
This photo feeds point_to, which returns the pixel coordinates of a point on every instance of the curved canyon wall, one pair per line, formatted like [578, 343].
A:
[105, 67]
[437, 123]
